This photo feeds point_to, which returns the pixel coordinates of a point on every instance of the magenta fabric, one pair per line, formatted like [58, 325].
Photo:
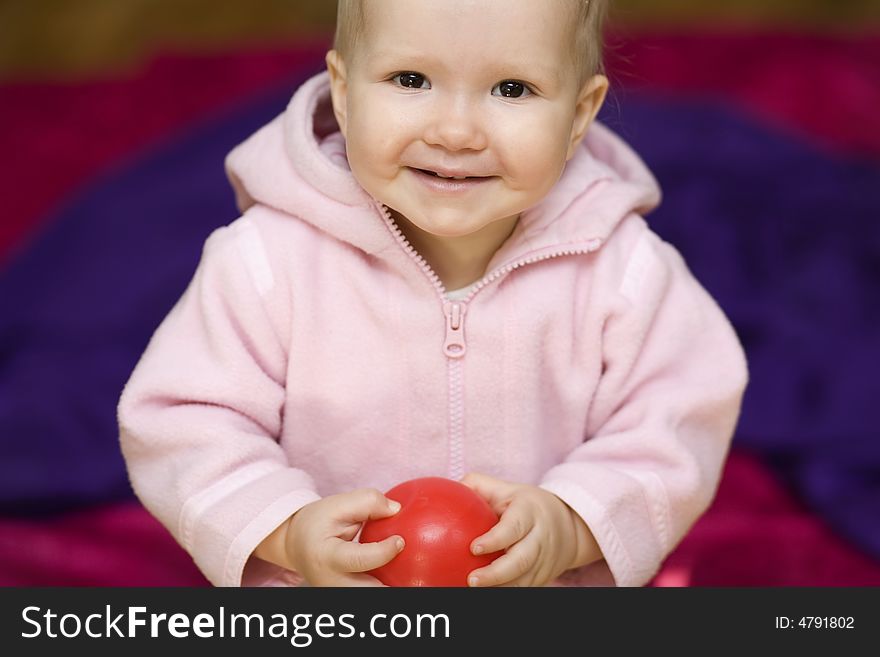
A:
[64, 135]
[103, 545]
[758, 534]
[823, 89]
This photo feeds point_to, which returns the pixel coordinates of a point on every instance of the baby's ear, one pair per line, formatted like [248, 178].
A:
[589, 101]
[338, 86]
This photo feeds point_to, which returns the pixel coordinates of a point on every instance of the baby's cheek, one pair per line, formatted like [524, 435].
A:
[538, 159]
[538, 175]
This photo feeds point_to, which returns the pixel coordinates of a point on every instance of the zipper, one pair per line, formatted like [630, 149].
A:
[415, 255]
[454, 344]
[490, 278]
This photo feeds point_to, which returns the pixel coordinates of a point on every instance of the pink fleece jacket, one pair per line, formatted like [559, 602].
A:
[315, 352]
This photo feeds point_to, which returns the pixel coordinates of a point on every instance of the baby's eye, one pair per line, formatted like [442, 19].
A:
[511, 89]
[412, 80]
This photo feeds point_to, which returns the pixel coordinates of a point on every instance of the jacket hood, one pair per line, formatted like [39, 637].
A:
[297, 164]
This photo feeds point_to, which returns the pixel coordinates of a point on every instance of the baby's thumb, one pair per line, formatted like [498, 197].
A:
[369, 503]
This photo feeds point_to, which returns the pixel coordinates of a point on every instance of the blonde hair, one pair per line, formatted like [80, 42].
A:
[350, 21]
[588, 17]
[589, 43]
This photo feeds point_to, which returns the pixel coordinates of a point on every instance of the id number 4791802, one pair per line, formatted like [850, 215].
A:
[815, 623]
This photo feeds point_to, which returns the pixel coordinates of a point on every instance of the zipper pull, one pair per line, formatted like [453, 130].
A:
[454, 346]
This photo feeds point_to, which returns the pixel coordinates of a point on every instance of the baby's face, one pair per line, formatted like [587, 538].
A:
[459, 113]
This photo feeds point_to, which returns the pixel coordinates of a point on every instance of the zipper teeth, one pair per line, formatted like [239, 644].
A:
[495, 274]
[420, 260]
[456, 420]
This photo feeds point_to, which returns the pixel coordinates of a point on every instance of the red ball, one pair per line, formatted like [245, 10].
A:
[438, 519]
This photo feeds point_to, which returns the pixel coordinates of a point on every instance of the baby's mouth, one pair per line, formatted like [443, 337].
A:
[437, 174]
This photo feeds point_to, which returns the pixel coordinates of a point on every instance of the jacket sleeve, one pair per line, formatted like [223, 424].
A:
[660, 424]
[201, 415]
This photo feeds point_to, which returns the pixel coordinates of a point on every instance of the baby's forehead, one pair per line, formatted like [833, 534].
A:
[557, 32]
[380, 20]
[365, 12]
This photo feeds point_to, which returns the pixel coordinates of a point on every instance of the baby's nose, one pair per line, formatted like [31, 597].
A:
[456, 126]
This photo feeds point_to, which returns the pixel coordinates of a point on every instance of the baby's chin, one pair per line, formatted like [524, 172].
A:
[444, 225]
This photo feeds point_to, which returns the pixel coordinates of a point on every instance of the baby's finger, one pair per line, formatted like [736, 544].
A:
[507, 568]
[364, 503]
[351, 557]
[511, 528]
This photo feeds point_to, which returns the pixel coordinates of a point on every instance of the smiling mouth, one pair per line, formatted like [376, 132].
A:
[444, 177]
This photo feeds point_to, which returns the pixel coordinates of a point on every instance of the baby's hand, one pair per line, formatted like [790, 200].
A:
[320, 535]
[536, 528]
